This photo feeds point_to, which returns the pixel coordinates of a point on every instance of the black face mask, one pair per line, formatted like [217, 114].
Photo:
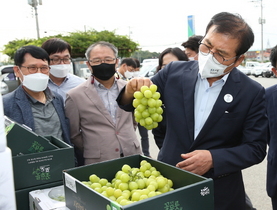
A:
[103, 71]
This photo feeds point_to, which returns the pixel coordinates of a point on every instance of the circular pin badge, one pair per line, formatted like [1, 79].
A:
[228, 98]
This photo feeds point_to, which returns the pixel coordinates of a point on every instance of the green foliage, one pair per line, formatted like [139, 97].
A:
[141, 55]
[79, 42]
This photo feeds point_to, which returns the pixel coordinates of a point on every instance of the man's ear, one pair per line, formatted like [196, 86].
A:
[274, 71]
[16, 71]
[239, 61]
[88, 65]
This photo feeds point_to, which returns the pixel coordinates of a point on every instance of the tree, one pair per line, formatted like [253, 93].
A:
[79, 42]
[141, 55]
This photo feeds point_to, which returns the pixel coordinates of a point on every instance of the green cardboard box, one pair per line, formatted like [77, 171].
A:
[44, 167]
[191, 191]
[22, 140]
[22, 196]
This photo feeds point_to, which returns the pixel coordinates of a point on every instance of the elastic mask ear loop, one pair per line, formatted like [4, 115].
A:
[21, 74]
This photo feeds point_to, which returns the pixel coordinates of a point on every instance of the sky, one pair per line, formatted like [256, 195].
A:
[154, 24]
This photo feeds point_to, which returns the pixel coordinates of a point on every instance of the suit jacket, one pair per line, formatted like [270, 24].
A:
[17, 107]
[234, 133]
[271, 104]
[92, 128]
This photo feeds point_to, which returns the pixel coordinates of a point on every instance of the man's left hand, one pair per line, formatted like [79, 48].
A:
[198, 162]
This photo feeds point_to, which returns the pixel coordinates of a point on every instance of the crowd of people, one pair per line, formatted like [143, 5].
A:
[216, 120]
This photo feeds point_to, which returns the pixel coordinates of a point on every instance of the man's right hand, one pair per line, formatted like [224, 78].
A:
[132, 86]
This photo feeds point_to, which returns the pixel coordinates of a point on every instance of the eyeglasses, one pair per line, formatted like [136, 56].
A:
[217, 58]
[34, 69]
[98, 61]
[59, 61]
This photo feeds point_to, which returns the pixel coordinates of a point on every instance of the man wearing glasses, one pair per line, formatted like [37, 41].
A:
[61, 80]
[216, 119]
[99, 128]
[32, 103]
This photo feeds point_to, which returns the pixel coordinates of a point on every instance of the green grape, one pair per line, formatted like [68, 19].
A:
[155, 117]
[152, 102]
[142, 197]
[144, 88]
[160, 118]
[109, 191]
[124, 178]
[138, 95]
[152, 110]
[136, 196]
[161, 182]
[141, 108]
[123, 186]
[153, 88]
[94, 178]
[159, 110]
[136, 102]
[144, 101]
[145, 114]
[159, 103]
[148, 121]
[156, 95]
[147, 94]
[137, 114]
[133, 185]
[149, 127]
[142, 122]
[103, 182]
[141, 183]
[126, 168]
[117, 193]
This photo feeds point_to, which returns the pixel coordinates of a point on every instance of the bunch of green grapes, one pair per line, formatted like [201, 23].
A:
[148, 110]
[131, 184]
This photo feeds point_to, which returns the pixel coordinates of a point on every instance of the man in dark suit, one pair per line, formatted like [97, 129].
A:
[271, 99]
[32, 103]
[216, 120]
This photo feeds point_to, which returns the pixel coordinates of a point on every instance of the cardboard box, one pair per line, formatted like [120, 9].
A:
[190, 190]
[41, 199]
[22, 196]
[22, 140]
[43, 167]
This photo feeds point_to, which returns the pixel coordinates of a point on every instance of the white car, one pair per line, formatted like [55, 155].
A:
[244, 70]
[257, 70]
[148, 69]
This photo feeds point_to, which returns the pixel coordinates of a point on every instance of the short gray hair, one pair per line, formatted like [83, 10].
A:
[102, 44]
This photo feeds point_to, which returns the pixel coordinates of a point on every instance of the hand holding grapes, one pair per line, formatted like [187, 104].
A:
[132, 86]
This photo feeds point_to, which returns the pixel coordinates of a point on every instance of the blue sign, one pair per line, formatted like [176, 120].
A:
[191, 29]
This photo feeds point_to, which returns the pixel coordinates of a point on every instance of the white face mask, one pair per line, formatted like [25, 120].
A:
[208, 68]
[128, 74]
[60, 71]
[136, 74]
[35, 82]
[191, 58]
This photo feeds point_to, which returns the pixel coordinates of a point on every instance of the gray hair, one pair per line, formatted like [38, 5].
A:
[102, 44]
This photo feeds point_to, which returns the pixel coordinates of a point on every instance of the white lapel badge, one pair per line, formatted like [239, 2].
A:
[228, 98]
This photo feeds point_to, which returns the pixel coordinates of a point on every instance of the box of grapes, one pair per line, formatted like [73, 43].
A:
[134, 183]
[42, 167]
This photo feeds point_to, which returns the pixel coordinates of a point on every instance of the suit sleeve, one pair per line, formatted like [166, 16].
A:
[72, 113]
